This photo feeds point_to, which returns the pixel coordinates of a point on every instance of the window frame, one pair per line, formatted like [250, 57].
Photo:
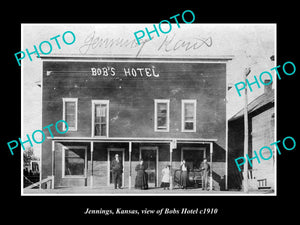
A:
[64, 159]
[94, 102]
[156, 102]
[65, 100]
[183, 102]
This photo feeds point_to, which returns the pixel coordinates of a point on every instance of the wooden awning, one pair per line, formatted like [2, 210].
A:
[134, 139]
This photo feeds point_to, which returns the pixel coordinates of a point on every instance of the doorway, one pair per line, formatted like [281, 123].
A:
[193, 156]
[149, 154]
[110, 156]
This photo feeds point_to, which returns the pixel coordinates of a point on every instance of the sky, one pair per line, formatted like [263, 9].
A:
[249, 44]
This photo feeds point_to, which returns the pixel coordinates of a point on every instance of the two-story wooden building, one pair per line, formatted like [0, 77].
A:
[160, 109]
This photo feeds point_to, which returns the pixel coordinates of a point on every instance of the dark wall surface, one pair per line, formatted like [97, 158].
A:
[131, 107]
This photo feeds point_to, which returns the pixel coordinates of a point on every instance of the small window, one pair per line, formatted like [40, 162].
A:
[74, 162]
[162, 115]
[70, 113]
[100, 109]
[188, 112]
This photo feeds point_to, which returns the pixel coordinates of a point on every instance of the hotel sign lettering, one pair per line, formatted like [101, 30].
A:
[126, 71]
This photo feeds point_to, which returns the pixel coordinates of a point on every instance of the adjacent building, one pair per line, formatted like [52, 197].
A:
[261, 125]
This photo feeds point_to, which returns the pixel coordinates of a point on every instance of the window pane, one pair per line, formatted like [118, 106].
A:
[74, 161]
[70, 119]
[97, 119]
[100, 110]
[103, 129]
[162, 108]
[189, 110]
[97, 111]
[70, 110]
[161, 122]
[188, 125]
[97, 130]
[102, 120]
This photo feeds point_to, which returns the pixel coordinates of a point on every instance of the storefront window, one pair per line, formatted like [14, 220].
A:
[74, 161]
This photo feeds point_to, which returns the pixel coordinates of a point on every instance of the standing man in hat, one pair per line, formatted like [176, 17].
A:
[117, 170]
[205, 168]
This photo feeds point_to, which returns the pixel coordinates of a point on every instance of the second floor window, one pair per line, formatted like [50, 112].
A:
[70, 113]
[188, 112]
[100, 114]
[162, 115]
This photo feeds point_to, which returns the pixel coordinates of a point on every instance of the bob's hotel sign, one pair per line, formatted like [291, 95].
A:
[127, 71]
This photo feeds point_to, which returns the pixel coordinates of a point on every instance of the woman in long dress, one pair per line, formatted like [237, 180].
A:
[165, 181]
[141, 180]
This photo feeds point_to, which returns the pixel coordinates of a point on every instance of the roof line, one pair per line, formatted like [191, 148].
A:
[265, 99]
[130, 57]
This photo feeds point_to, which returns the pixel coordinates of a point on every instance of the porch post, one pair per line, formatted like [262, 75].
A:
[211, 152]
[53, 163]
[171, 177]
[130, 149]
[92, 166]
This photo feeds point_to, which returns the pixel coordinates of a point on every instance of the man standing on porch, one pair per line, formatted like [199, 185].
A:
[183, 174]
[205, 171]
[117, 169]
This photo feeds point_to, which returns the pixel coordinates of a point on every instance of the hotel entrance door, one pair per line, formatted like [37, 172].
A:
[111, 155]
[150, 157]
[193, 156]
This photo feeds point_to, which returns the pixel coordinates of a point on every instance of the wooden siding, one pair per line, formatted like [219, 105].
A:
[131, 110]
[132, 98]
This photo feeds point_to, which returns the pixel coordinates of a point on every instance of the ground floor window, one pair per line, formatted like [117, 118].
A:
[74, 161]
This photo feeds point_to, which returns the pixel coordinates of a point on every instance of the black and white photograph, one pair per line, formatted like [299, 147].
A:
[172, 109]
[163, 114]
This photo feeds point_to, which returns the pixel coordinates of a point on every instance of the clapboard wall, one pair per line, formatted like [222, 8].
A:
[131, 98]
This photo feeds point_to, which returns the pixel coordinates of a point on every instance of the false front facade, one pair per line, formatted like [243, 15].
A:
[160, 110]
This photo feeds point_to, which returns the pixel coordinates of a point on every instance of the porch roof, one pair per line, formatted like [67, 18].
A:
[134, 139]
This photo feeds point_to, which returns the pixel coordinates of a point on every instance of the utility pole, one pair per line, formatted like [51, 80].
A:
[246, 134]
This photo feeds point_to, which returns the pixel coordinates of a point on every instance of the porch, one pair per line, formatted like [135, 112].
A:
[90, 159]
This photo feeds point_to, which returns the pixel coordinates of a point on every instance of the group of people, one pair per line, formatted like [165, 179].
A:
[184, 170]
[141, 180]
